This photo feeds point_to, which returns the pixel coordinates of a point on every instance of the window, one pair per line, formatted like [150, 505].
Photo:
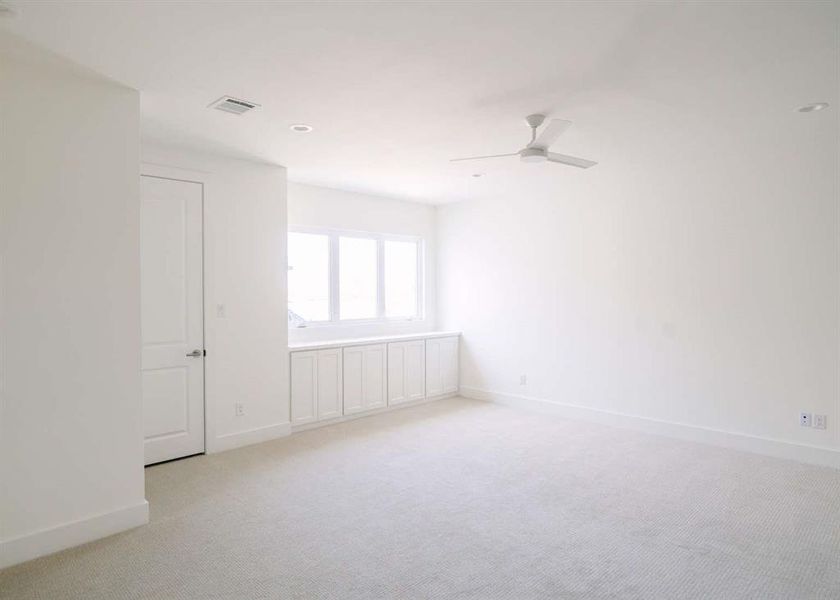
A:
[342, 276]
[357, 268]
[400, 279]
[309, 277]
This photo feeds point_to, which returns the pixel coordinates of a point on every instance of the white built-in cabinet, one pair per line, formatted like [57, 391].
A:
[316, 385]
[365, 382]
[406, 371]
[441, 366]
[327, 383]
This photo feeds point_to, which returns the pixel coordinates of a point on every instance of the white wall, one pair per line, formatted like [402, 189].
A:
[245, 273]
[314, 206]
[71, 451]
[670, 283]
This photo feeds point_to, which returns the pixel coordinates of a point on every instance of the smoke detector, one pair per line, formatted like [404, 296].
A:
[232, 105]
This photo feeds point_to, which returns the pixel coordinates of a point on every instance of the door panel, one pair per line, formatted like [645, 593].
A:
[396, 373]
[449, 364]
[434, 385]
[415, 370]
[304, 387]
[364, 378]
[353, 375]
[406, 371]
[172, 320]
[329, 383]
[162, 416]
[374, 378]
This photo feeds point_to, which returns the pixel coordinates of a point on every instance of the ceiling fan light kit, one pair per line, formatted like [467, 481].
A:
[537, 149]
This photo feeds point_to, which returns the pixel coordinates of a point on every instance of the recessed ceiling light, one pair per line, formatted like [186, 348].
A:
[301, 128]
[478, 174]
[813, 107]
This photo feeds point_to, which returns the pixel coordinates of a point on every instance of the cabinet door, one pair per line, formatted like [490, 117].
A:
[375, 389]
[304, 387]
[406, 371]
[329, 383]
[354, 367]
[364, 378]
[434, 381]
[449, 364]
[396, 373]
[415, 370]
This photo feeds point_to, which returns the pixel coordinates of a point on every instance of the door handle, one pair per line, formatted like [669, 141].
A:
[195, 353]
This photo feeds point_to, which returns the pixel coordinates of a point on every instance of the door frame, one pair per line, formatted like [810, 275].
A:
[174, 174]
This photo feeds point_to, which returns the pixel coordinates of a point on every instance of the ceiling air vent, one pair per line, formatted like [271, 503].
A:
[233, 105]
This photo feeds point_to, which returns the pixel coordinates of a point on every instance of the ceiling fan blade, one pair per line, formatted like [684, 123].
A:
[550, 133]
[570, 160]
[480, 157]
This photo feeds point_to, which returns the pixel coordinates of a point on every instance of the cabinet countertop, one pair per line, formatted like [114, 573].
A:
[382, 339]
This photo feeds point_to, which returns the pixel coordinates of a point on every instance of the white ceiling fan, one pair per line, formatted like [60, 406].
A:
[537, 149]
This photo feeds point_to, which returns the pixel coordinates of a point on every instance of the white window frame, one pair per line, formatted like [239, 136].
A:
[333, 236]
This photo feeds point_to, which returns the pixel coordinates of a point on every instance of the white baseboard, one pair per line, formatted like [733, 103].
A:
[827, 457]
[47, 541]
[229, 441]
[370, 413]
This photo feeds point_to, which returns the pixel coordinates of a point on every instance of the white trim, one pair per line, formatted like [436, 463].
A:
[816, 455]
[238, 439]
[47, 541]
[370, 413]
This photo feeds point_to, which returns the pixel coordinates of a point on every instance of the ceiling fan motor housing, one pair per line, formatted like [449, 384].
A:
[533, 155]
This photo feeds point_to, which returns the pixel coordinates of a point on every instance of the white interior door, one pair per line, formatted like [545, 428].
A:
[172, 318]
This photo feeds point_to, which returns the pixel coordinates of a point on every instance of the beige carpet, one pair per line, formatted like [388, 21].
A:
[461, 499]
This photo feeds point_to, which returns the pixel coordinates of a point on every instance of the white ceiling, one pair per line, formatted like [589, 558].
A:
[394, 90]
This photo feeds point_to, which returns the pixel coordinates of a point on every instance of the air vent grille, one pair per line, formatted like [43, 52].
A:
[232, 105]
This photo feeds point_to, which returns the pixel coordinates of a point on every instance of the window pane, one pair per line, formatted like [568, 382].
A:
[357, 278]
[309, 277]
[400, 279]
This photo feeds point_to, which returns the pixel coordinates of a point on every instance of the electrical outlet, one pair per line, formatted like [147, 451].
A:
[240, 409]
[523, 380]
[805, 419]
[820, 421]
